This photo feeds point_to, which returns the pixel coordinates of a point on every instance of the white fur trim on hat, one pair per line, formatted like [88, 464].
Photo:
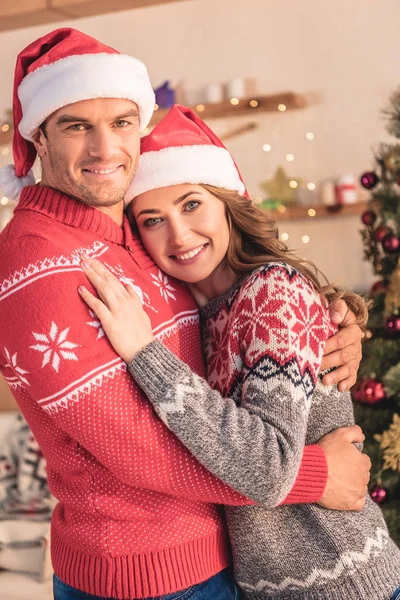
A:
[83, 77]
[12, 185]
[210, 165]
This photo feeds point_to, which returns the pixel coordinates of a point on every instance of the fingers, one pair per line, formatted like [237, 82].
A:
[354, 435]
[338, 358]
[343, 338]
[105, 283]
[97, 306]
[341, 314]
[338, 312]
[347, 382]
[345, 376]
[359, 504]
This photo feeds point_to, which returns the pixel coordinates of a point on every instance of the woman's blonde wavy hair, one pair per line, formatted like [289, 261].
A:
[254, 241]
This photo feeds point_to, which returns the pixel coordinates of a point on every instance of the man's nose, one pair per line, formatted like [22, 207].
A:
[102, 143]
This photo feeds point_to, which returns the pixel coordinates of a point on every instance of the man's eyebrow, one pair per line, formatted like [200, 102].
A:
[75, 119]
[70, 119]
[131, 113]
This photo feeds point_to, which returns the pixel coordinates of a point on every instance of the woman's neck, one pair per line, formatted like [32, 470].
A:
[214, 285]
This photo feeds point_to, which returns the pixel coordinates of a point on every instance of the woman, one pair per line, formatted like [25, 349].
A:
[265, 323]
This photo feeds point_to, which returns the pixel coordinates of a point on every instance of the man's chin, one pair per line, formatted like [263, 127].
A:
[102, 195]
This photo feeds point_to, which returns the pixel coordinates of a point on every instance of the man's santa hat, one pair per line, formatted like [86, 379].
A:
[60, 68]
[182, 149]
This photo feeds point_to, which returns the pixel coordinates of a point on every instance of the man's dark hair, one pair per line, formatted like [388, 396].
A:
[42, 127]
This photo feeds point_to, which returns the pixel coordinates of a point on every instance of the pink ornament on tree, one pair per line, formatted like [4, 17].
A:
[381, 232]
[378, 494]
[369, 391]
[392, 323]
[368, 217]
[369, 180]
[391, 243]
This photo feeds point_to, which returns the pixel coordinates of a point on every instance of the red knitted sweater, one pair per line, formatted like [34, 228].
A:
[138, 516]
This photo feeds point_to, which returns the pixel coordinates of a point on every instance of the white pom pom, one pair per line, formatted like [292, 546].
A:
[12, 185]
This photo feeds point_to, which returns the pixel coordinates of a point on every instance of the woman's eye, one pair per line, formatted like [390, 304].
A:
[151, 222]
[192, 205]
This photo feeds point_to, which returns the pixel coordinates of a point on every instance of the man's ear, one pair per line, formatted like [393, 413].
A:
[40, 142]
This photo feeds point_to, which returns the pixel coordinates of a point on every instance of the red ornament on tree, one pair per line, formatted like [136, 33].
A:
[378, 287]
[369, 391]
[381, 232]
[369, 180]
[368, 217]
[378, 494]
[391, 243]
[392, 323]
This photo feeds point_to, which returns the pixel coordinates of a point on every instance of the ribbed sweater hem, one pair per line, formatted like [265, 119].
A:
[155, 573]
[378, 580]
[311, 479]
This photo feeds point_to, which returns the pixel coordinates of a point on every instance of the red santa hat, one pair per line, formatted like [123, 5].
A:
[60, 68]
[182, 149]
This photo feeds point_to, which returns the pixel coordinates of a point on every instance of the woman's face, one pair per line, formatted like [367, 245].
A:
[184, 229]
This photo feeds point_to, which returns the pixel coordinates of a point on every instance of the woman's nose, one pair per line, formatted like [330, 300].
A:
[179, 235]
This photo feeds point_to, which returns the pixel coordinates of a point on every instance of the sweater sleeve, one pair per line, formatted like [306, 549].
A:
[55, 357]
[258, 447]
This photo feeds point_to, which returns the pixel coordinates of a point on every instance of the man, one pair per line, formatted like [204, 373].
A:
[137, 514]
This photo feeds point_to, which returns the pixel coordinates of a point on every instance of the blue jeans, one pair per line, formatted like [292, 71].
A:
[396, 595]
[220, 587]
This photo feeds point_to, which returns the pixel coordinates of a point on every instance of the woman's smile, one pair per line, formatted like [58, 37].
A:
[190, 256]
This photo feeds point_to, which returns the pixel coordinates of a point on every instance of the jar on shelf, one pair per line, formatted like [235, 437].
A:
[327, 193]
[346, 190]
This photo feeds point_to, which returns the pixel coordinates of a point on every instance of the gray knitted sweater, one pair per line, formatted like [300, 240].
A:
[263, 343]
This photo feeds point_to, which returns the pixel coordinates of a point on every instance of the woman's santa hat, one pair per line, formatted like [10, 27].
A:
[60, 68]
[182, 149]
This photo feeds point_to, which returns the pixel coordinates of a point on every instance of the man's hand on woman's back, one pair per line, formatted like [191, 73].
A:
[348, 470]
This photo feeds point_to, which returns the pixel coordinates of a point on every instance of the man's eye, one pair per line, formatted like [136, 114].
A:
[151, 222]
[76, 127]
[122, 123]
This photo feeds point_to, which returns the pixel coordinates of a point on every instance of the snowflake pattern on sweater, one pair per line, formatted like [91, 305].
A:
[263, 342]
[138, 515]
[275, 325]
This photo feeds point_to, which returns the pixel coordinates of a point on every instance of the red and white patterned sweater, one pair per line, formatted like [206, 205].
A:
[264, 340]
[137, 514]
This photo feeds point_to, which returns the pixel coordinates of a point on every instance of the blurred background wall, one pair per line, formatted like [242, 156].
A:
[342, 55]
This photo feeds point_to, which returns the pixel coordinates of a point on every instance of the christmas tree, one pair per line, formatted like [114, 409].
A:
[377, 393]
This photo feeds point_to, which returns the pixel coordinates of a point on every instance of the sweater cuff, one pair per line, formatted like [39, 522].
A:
[311, 479]
[154, 367]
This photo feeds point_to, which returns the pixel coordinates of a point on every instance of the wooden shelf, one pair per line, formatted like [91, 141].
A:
[28, 13]
[270, 103]
[298, 213]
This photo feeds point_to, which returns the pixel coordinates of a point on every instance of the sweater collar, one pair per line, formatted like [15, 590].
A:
[68, 210]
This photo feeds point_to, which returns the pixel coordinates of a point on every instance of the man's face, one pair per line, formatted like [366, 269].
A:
[90, 150]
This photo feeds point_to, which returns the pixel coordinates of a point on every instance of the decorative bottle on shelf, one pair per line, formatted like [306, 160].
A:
[236, 88]
[327, 193]
[346, 191]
